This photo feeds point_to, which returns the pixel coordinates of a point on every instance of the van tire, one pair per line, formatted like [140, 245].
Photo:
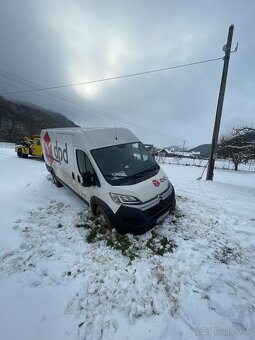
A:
[55, 180]
[103, 218]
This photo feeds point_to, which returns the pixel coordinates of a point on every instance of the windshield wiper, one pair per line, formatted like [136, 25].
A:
[144, 172]
[153, 167]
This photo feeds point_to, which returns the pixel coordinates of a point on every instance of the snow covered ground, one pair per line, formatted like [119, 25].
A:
[60, 281]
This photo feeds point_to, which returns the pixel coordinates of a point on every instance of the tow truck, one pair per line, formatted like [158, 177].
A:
[30, 146]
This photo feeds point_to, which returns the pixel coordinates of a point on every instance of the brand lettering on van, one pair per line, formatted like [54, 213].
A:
[156, 182]
[163, 179]
[60, 154]
[48, 147]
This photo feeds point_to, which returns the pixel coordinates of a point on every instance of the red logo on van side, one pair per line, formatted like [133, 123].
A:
[156, 182]
[48, 147]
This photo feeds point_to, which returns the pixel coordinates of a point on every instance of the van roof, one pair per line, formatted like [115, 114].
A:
[95, 138]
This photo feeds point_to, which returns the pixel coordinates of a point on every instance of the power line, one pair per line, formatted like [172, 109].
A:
[60, 96]
[116, 77]
[17, 80]
[57, 95]
[84, 107]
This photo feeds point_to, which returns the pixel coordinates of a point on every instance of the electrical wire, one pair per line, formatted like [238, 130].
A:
[63, 97]
[117, 77]
[48, 90]
[80, 105]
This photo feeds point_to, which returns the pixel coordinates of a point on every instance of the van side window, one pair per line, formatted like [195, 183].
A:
[80, 155]
[83, 162]
[84, 165]
[89, 166]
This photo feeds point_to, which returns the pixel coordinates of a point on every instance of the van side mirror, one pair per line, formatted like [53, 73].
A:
[86, 179]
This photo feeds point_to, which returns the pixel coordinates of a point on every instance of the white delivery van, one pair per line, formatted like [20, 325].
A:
[113, 173]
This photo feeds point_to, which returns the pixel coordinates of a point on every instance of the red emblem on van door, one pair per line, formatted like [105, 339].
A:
[156, 182]
[48, 148]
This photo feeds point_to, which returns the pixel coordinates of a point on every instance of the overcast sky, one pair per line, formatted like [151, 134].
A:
[53, 42]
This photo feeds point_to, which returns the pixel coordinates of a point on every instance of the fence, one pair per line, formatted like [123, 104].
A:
[7, 145]
[219, 164]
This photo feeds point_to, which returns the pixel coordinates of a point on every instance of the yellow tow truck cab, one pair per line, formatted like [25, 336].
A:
[30, 147]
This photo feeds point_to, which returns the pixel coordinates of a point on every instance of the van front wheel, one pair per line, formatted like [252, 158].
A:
[103, 218]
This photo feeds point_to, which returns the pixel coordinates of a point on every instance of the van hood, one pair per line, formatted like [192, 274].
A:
[145, 190]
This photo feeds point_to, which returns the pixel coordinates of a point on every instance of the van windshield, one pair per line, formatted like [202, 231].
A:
[126, 163]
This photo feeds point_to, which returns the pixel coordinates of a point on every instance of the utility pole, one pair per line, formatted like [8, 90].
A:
[183, 146]
[227, 50]
[184, 142]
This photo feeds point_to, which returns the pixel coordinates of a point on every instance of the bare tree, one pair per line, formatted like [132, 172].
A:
[239, 145]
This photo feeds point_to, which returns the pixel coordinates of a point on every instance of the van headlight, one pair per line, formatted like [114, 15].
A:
[124, 199]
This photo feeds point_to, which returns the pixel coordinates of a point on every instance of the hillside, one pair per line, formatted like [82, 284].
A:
[18, 120]
[204, 149]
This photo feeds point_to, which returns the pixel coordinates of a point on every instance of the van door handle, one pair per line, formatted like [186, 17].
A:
[78, 178]
[73, 177]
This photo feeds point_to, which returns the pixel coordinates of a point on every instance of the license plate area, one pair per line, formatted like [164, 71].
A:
[162, 217]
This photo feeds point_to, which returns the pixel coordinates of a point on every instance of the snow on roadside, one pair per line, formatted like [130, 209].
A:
[205, 284]
[54, 252]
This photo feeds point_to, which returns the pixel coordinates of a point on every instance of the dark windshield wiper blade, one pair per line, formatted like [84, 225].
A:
[153, 167]
[140, 174]
[144, 172]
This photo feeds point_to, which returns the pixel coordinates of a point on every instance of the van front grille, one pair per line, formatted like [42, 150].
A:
[159, 208]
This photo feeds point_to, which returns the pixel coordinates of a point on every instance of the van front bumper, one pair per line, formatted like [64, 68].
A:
[136, 221]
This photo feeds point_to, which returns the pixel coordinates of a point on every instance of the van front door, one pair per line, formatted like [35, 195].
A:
[83, 165]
